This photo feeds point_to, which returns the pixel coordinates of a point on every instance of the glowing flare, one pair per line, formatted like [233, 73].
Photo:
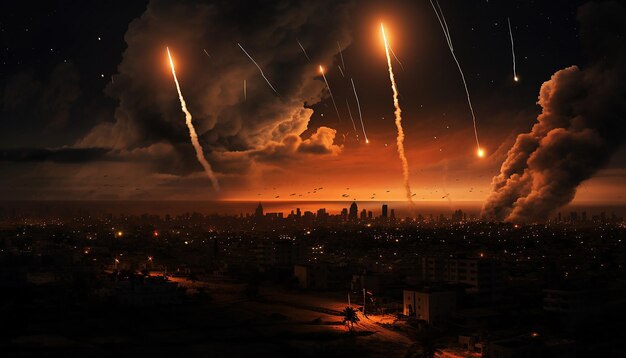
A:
[398, 115]
[515, 78]
[192, 131]
[480, 152]
[446, 33]
[330, 92]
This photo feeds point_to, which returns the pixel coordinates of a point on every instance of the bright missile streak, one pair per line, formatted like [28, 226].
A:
[259, 67]
[398, 115]
[358, 104]
[446, 33]
[512, 50]
[341, 55]
[396, 57]
[192, 131]
[209, 56]
[341, 71]
[356, 133]
[330, 92]
[303, 51]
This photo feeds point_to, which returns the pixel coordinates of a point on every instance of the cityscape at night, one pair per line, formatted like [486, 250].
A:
[341, 178]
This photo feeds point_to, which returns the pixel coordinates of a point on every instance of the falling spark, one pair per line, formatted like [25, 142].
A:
[398, 114]
[358, 104]
[515, 78]
[341, 71]
[446, 33]
[209, 56]
[192, 131]
[259, 67]
[330, 92]
[351, 119]
[396, 57]
[245, 91]
[304, 51]
[341, 55]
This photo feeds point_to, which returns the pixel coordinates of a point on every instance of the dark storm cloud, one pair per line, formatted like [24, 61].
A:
[30, 104]
[59, 155]
[583, 122]
[149, 112]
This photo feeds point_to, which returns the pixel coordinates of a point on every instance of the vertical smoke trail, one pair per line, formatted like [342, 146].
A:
[512, 50]
[446, 33]
[330, 92]
[303, 50]
[358, 104]
[259, 67]
[192, 131]
[245, 91]
[398, 114]
[352, 119]
[341, 55]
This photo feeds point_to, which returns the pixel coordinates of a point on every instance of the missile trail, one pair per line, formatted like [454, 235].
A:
[341, 71]
[356, 133]
[330, 92]
[303, 50]
[259, 67]
[209, 56]
[512, 50]
[192, 131]
[398, 115]
[358, 104]
[396, 57]
[341, 55]
[446, 33]
[245, 91]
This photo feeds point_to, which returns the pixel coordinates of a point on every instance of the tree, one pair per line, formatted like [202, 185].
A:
[349, 317]
[427, 338]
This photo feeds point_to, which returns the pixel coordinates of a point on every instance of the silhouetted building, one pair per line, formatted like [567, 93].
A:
[258, 213]
[483, 275]
[384, 214]
[354, 211]
[363, 215]
[429, 304]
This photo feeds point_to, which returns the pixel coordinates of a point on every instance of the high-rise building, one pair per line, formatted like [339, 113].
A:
[259, 211]
[384, 215]
[344, 214]
[363, 215]
[392, 216]
[354, 211]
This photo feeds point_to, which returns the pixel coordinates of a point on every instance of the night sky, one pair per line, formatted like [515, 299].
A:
[89, 109]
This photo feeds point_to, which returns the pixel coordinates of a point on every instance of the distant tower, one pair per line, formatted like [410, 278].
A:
[363, 215]
[344, 214]
[259, 211]
[384, 215]
[354, 211]
[393, 215]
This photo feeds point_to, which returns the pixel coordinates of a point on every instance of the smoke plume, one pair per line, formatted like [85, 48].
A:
[582, 123]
